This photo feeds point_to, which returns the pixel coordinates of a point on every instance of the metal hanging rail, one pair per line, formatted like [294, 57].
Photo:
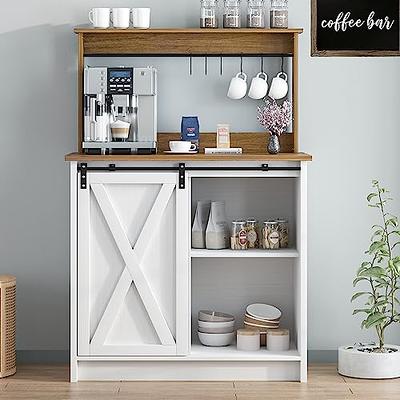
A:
[83, 168]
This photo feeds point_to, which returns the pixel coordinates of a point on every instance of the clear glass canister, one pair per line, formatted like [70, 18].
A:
[231, 16]
[283, 227]
[270, 235]
[279, 14]
[209, 14]
[255, 14]
[239, 236]
[253, 233]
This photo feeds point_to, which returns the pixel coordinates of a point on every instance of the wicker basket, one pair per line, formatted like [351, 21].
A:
[7, 325]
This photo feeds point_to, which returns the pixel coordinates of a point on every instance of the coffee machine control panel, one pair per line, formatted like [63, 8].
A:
[120, 81]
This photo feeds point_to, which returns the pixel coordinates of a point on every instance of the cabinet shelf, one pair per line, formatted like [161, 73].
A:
[256, 253]
[231, 353]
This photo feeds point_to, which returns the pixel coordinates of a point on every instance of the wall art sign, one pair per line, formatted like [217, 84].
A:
[355, 27]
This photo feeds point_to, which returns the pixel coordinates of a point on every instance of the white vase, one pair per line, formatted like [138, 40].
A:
[217, 234]
[200, 225]
[358, 364]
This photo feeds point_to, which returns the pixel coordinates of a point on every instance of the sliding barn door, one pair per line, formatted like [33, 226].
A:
[133, 279]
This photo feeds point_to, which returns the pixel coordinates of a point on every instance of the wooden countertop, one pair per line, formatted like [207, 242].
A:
[190, 157]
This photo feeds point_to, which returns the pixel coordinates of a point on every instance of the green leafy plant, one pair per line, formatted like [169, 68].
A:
[380, 274]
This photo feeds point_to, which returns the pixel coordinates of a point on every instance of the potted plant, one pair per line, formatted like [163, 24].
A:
[379, 277]
[275, 119]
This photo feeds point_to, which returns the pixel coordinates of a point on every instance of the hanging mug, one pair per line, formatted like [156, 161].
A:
[259, 86]
[238, 86]
[279, 86]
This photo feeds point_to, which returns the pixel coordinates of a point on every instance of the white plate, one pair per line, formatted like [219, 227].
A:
[215, 339]
[261, 328]
[216, 324]
[263, 311]
[181, 152]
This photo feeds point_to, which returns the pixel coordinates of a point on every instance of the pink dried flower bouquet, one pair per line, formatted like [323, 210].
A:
[273, 117]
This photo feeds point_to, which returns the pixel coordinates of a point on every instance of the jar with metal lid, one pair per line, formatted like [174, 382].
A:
[231, 17]
[255, 14]
[270, 235]
[279, 14]
[253, 233]
[239, 236]
[283, 228]
[209, 14]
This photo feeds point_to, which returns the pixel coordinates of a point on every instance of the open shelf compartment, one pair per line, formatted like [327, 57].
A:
[222, 280]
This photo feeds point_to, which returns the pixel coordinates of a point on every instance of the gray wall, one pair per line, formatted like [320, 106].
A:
[349, 121]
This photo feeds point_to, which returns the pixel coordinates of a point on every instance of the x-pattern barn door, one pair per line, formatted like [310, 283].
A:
[133, 276]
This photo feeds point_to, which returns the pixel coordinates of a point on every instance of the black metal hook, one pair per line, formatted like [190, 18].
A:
[282, 61]
[206, 65]
[241, 64]
[262, 64]
[191, 65]
[221, 65]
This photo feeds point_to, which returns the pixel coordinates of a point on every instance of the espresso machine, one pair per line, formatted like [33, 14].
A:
[120, 110]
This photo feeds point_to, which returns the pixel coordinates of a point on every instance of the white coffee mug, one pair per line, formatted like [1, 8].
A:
[121, 17]
[181, 146]
[141, 18]
[100, 17]
[238, 86]
[279, 86]
[259, 86]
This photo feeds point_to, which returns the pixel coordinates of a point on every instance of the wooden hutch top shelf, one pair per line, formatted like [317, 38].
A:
[90, 29]
[184, 42]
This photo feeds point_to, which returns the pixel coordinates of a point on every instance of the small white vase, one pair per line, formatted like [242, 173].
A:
[217, 233]
[200, 225]
[358, 364]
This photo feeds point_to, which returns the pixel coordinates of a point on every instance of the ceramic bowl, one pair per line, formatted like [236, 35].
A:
[216, 340]
[214, 316]
[216, 330]
[216, 324]
[263, 311]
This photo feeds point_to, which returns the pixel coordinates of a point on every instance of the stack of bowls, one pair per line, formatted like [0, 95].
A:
[262, 317]
[215, 329]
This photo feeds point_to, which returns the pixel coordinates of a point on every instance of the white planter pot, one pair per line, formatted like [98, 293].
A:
[357, 364]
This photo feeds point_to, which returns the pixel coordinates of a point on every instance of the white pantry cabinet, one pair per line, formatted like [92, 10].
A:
[136, 285]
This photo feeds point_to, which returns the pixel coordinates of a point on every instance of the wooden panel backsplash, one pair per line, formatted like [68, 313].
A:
[250, 142]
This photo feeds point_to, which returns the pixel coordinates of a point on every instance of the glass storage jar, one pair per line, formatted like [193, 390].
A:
[239, 236]
[209, 14]
[270, 235]
[231, 18]
[255, 14]
[283, 227]
[253, 233]
[279, 14]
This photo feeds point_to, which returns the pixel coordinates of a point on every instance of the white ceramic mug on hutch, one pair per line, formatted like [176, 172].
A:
[121, 17]
[100, 17]
[279, 87]
[238, 86]
[259, 86]
[141, 18]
